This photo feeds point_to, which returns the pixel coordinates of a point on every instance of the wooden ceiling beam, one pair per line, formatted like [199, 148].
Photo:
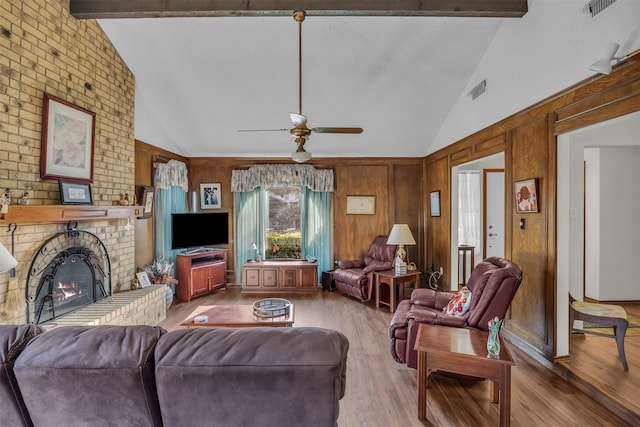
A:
[105, 9]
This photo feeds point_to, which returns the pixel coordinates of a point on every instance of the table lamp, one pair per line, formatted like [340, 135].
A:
[254, 249]
[401, 235]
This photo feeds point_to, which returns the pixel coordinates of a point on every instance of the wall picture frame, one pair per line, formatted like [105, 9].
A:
[147, 200]
[143, 279]
[526, 196]
[434, 199]
[361, 205]
[75, 193]
[210, 197]
[68, 138]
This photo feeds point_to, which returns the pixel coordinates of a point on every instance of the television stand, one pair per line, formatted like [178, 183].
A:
[197, 251]
[200, 273]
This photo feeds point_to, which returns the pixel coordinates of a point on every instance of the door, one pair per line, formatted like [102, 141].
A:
[493, 213]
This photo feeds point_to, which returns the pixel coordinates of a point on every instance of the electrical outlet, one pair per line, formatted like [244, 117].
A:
[441, 270]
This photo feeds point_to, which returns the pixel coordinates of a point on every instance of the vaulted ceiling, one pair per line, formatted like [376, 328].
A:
[202, 75]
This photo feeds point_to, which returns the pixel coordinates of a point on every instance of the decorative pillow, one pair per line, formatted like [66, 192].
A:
[459, 304]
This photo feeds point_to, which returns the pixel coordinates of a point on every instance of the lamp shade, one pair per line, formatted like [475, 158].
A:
[401, 235]
[7, 261]
[301, 156]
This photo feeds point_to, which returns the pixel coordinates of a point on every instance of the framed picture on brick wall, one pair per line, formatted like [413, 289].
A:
[68, 134]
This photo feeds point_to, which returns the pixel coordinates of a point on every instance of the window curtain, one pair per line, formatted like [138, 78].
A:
[249, 225]
[469, 208]
[316, 185]
[171, 187]
[316, 227]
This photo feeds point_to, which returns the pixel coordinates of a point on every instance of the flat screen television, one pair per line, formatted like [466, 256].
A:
[194, 230]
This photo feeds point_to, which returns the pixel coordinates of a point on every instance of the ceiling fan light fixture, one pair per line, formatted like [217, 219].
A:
[300, 155]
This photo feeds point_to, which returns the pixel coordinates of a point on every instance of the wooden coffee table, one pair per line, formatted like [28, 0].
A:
[235, 316]
[462, 351]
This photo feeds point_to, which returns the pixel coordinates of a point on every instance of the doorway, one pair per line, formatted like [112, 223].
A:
[490, 211]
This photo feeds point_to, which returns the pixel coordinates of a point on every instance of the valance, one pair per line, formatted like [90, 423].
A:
[283, 176]
[171, 174]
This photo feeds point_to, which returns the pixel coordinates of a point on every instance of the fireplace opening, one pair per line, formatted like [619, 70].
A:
[69, 271]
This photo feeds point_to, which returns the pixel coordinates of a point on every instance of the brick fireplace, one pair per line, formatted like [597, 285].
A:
[38, 225]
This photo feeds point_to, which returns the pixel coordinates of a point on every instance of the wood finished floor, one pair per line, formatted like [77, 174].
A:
[382, 393]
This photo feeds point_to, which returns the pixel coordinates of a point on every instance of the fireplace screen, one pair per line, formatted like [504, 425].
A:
[70, 270]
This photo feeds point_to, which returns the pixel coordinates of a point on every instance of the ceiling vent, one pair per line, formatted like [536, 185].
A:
[478, 90]
[594, 7]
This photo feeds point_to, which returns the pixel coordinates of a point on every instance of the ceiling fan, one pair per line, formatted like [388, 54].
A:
[300, 131]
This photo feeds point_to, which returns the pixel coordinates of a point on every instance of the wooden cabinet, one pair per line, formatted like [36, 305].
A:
[279, 276]
[200, 273]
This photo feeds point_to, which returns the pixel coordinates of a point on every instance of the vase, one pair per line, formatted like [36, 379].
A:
[169, 292]
[493, 344]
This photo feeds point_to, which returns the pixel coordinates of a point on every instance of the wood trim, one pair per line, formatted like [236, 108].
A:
[101, 9]
[40, 214]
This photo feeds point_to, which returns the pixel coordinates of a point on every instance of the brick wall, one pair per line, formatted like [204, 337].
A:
[44, 49]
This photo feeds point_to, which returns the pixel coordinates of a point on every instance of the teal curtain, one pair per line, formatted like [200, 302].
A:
[250, 226]
[167, 201]
[315, 211]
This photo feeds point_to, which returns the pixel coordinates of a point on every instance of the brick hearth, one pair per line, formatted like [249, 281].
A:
[139, 307]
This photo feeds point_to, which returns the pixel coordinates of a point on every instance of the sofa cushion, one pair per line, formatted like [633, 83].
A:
[91, 376]
[459, 304]
[13, 339]
[236, 377]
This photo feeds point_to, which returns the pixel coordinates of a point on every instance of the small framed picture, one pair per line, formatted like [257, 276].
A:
[361, 205]
[143, 279]
[75, 193]
[434, 197]
[526, 196]
[147, 199]
[210, 197]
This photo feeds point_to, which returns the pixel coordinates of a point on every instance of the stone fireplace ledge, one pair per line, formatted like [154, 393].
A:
[145, 306]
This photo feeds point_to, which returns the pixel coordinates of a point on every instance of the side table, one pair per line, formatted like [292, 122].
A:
[396, 286]
[463, 351]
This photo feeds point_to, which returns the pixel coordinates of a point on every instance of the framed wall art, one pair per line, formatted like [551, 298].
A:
[434, 198]
[75, 193]
[143, 279]
[526, 196]
[147, 200]
[68, 134]
[210, 197]
[361, 205]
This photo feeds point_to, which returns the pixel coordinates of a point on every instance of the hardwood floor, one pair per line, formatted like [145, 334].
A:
[594, 367]
[381, 392]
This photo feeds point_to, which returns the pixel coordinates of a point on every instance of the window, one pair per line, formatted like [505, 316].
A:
[283, 235]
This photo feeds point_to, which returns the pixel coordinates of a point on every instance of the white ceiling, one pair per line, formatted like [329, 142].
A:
[200, 80]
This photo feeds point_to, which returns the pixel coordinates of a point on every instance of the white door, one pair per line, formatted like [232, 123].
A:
[493, 213]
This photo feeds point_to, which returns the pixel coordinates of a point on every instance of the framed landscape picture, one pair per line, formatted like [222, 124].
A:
[434, 198]
[68, 134]
[210, 197]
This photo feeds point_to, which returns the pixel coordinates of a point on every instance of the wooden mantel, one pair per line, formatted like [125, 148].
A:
[40, 214]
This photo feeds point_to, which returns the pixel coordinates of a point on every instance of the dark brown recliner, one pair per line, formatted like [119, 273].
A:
[355, 277]
[493, 284]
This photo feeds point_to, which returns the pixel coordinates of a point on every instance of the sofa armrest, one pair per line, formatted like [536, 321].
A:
[430, 298]
[435, 317]
[346, 264]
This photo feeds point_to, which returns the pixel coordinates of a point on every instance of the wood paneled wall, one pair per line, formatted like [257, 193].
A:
[391, 181]
[528, 139]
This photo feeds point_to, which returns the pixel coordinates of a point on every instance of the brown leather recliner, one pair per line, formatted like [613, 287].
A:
[493, 284]
[355, 277]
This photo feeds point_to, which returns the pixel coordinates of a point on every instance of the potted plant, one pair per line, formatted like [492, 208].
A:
[160, 272]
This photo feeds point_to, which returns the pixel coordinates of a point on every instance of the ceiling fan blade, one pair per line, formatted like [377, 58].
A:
[262, 130]
[337, 130]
